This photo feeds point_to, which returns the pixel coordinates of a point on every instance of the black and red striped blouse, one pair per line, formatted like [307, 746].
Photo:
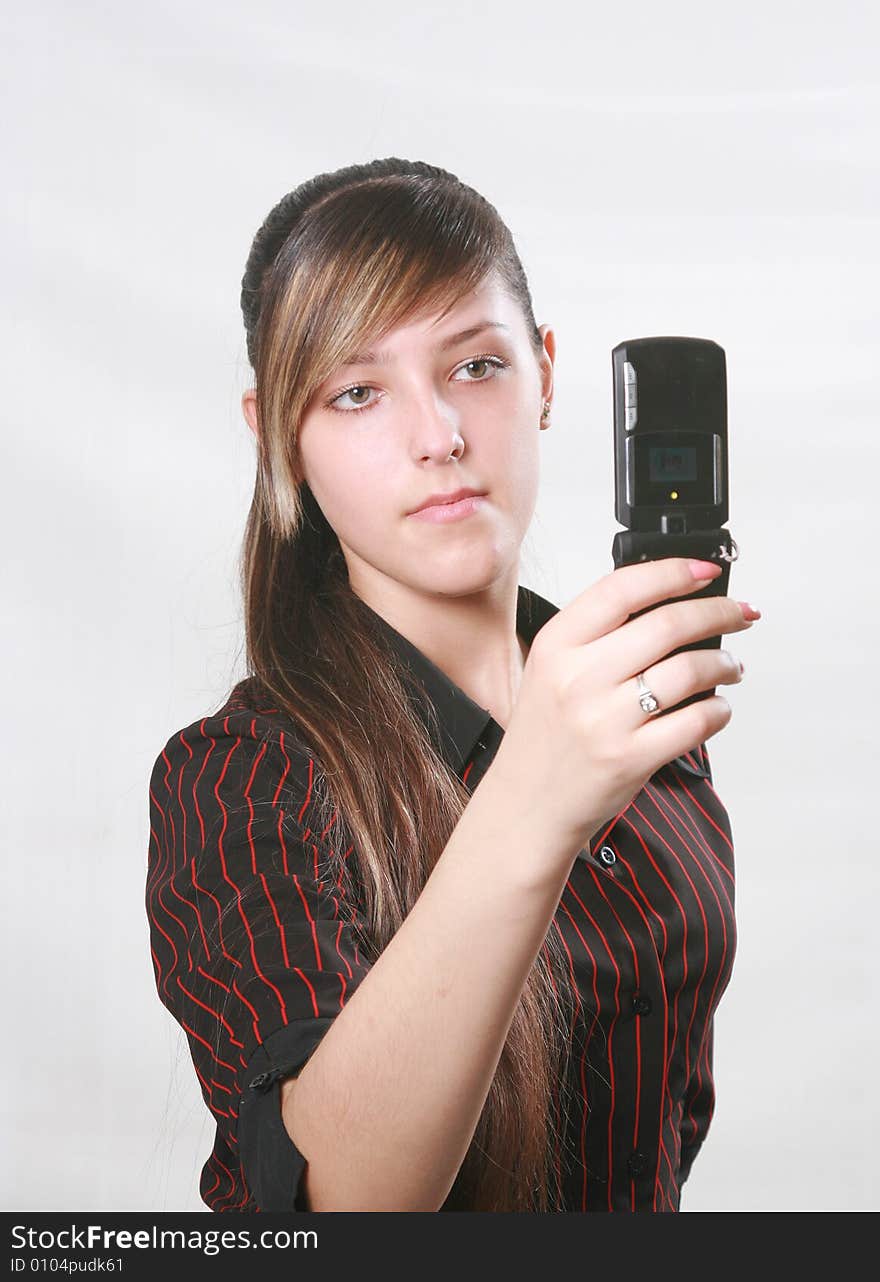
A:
[255, 947]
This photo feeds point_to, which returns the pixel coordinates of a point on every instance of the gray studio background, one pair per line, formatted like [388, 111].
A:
[665, 169]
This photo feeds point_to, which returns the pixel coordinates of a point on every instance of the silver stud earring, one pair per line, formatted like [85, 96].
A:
[545, 412]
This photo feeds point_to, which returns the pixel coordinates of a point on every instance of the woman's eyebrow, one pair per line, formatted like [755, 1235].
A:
[380, 358]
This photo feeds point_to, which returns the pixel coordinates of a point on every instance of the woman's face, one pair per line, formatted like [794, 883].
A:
[431, 415]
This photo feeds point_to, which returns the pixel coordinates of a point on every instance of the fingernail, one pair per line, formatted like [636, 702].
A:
[703, 570]
[748, 611]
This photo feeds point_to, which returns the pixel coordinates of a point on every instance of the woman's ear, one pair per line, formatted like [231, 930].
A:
[249, 406]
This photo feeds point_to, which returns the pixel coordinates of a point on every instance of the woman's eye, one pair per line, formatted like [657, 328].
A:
[483, 360]
[362, 389]
[352, 391]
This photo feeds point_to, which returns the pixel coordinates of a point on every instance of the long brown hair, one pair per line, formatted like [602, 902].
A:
[338, 262]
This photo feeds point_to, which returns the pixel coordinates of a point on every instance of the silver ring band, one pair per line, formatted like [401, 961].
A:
[647, 699]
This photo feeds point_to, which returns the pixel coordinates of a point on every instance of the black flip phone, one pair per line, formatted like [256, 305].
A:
[670, 460]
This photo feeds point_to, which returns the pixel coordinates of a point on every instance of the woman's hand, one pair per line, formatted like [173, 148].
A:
[578, 743]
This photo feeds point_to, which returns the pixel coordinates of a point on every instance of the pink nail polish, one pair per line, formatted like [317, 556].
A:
[748, 611]
[704, 570]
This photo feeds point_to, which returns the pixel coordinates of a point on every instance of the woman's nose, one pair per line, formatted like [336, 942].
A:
[435, 430]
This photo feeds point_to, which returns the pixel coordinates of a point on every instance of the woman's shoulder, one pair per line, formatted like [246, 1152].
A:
[248, 712]
[248, 746]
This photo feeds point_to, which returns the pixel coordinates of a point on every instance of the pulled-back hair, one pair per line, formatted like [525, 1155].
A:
[340, 261]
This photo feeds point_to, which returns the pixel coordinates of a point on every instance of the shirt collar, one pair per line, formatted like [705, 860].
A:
[461, 721]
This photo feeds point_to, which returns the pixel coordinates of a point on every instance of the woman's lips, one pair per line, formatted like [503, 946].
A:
[439, 513]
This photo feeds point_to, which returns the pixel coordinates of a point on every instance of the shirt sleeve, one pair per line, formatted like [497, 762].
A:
[699, 1105]
[255, 944]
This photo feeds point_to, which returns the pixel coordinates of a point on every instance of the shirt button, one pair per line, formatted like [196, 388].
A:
[641, 1004]
[607, 855]
[637, 1163]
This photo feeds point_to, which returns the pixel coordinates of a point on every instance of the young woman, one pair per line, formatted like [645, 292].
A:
[444, 910]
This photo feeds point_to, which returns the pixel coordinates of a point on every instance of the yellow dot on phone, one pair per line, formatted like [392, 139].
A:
[674, 494]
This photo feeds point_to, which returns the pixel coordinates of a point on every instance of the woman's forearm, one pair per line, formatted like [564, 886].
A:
[387, 1105]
